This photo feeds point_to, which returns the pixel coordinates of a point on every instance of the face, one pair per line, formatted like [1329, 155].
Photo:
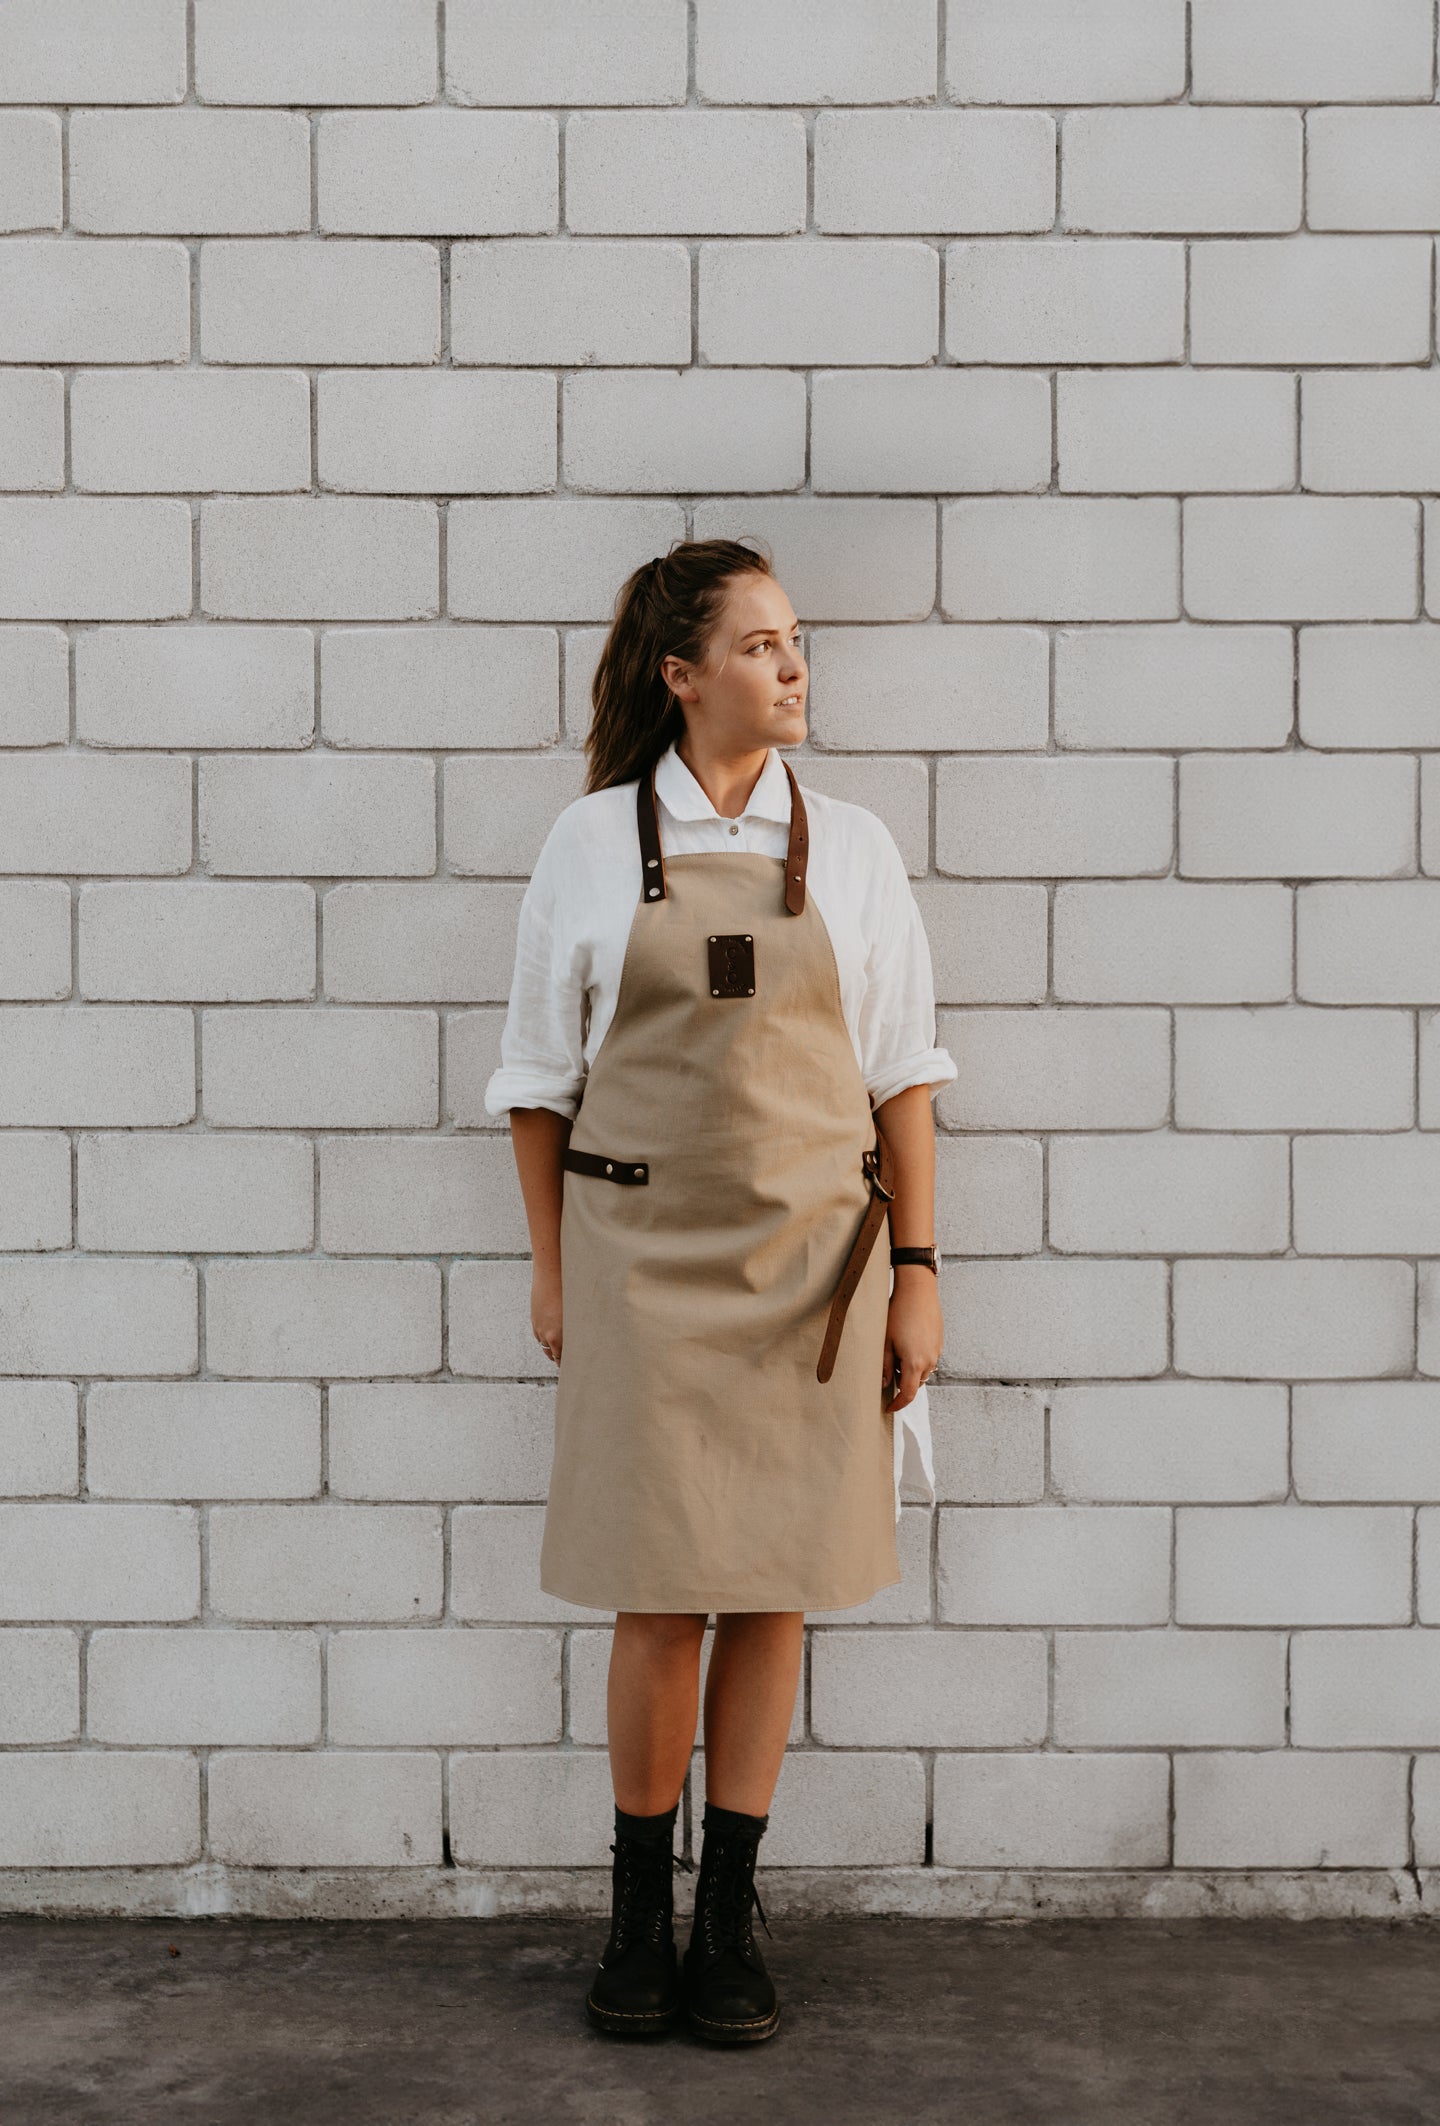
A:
[751, 690]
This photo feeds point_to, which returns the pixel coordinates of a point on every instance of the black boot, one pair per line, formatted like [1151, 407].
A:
[729, 1996]
[636, 1989]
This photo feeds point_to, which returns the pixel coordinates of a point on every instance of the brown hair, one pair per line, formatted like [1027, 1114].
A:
[667, 608]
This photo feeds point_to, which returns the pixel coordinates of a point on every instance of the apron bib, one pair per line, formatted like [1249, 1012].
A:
[720, 1197]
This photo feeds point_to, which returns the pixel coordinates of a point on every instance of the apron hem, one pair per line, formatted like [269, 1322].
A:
[693, 1605]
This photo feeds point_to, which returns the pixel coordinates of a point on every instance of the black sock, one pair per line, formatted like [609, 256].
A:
[731, 1819]
[648, 1830]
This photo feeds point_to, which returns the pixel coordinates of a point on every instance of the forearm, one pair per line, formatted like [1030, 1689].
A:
[908, 1124]
[539, 1136]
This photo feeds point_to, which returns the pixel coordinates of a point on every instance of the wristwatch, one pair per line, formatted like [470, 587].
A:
[926, 1255]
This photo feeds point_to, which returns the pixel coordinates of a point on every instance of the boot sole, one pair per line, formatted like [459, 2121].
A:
[746, 2033]
[619, 2022]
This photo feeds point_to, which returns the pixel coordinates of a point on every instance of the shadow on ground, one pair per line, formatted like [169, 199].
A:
[479, 2023]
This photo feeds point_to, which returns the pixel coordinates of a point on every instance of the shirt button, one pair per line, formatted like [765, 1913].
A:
[734, 830]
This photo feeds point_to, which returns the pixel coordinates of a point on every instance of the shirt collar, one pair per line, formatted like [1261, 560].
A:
[683, 797]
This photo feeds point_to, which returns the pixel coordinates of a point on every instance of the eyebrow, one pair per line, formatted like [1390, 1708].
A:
[763, 631]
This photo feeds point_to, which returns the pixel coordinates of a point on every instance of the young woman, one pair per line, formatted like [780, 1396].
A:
[718, 1062]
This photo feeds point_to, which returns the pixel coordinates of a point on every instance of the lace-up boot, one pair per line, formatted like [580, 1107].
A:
[636, 1988]
[729, 1995]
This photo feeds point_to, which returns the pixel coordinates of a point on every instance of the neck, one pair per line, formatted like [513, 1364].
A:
[726, 778]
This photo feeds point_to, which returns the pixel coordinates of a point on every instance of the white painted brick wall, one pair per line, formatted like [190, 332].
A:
[1077, 361]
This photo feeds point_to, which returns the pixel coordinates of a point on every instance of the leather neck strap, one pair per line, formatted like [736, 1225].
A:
[652, 859]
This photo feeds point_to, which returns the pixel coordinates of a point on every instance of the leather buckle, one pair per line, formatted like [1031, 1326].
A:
[871, 1162]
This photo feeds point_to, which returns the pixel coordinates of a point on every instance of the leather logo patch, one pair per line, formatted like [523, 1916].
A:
[732, 965]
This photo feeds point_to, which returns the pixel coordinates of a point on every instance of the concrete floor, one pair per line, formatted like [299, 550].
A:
[1057, 2023]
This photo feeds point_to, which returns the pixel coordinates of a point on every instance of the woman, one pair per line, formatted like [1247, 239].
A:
[723, 984]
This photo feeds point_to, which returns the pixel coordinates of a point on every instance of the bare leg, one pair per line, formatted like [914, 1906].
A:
[652, 1700]
[749, 1699]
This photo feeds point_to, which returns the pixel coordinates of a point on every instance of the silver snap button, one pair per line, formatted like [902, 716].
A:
[651, 862]
[639, 1171]
[608, 1167]
[653, 891]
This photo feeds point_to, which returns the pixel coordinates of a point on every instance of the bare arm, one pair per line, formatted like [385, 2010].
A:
[915, 1331]
[539, 1136]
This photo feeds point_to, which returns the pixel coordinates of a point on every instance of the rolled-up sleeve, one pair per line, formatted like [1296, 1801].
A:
[897, 1015]
[542, 1062]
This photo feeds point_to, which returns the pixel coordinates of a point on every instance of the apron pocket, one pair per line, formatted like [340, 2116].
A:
[630, 1173]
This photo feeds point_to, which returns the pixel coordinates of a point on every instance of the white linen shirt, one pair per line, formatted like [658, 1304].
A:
[575, 921]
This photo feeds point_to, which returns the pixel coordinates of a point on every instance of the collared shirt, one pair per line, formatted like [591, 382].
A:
[575, 921]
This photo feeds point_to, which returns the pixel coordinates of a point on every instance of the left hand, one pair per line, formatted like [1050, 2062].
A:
[914, 1334]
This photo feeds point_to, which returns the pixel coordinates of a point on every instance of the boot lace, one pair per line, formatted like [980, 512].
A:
[726, 1894]
[643, 1901]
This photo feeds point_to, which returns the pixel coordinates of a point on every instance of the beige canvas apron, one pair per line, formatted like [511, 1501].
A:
[717, 1184]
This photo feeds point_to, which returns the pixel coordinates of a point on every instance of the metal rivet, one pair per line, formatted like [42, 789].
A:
[651, 862]
[748, 939]
[639, 1170]
[653, 891]
[749, 992]
[714, 992]
[712, 940]
[608, 1167]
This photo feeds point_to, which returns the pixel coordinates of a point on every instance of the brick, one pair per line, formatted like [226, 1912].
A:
[1310, 298]
[31, 192]
[94, 1562]
[1369, 944]
[1175, 685]
[819, 301]
[570, 303]
[194, 1194]
[893, 173]
[330, 51]
[1368, 429]
[1290, 1067]
[875, 688]
[1013, 816]
[989, 1442]
[141, 431]
[1378, 1440]
[436, 432]
[988, 944]
[531, 1808]
[39, 1686]
[634, 431]
[71, 299]
[1300, 557]
[325, 815]
[946, 1689]
[390, 1688]
[558, 52]
[203, 1439]
[418, 1196]
[34, 939]
[1268, 1320]
[495, 1568]
[1124, 1443]
[472, 1056]
[1112, 301]
[324, 1809]
[83, 1066]
[39, 1453]
[1158, 1193]
[885, 53]
[1182, 171]
[839, 559]
[68, 1314]
[345, 300]
[1056, 1319]
[1159, 430]
[1349, 1688]
[212, 686]
[82, 558]
[1371, 169]
[1289, 1809]
[93, 51]
[556, 559]
[32, 427]
[893, 431]
[447, 943]
[73, 812]
[452, 686]
[1060, 557]
[319, 557]
[1311, 51]
[862, 1808]
[1160, 941]
[447, 1441]
[1054, 1565]
[202, 1688]
[701, 172]
[298, 1069]
[439, 172]
[1297, 814]
[345, 1319]
[1165, 1689]
[1058, 1069]
[1051, 1809]
[1052, 54]
[34, 1193]
[191, 172]
[192, 942]
[498, 812]
[1367, 1195]
[99, 1809]
[304, 1564]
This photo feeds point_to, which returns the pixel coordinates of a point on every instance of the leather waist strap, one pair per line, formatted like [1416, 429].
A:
[632, 1173]
[880, 1167]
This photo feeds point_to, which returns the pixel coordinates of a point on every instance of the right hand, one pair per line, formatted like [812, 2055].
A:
[546, 1315]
